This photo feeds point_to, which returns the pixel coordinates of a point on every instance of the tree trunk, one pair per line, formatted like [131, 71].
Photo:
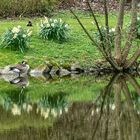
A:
[132, 33]
[118, 55]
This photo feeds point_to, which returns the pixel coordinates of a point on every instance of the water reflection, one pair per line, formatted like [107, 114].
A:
[113, 114]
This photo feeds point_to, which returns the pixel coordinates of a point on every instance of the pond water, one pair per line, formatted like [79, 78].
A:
[80, 107]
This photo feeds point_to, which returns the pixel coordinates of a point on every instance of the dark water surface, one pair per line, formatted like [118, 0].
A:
[76, 108]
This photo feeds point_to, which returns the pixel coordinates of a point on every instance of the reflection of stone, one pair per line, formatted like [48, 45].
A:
[20, 68]
[76, 68]
[20, 81]
[54, 71]
[64, 72]
[7, 71]
[36, 73]
[8, 75]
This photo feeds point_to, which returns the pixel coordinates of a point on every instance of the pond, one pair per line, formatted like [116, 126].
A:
[79, 107]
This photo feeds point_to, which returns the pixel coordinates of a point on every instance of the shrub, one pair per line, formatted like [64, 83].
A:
[111, 36]
[10, 8]
[53, 29]
[16, 39]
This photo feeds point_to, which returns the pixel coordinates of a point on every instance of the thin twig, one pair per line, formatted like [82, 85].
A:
[107, 28]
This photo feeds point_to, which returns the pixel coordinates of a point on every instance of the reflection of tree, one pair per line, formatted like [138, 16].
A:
[103, 119]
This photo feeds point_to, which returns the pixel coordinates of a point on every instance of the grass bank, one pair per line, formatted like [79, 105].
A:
[77, 48]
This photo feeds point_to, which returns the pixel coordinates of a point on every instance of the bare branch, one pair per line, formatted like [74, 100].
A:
[85, 30]
[134, 84]
[107, 28]
[95, 20]
[133, 59]
[129, 100]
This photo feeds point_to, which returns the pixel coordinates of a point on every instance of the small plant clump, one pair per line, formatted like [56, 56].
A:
[111, 36]
[17, 39]
[53, 29]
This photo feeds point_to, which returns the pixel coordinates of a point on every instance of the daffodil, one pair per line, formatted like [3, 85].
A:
[66, 26]
[113, 29]
[55, 21]
[19, 26]
[113, 107]
[60, 20]
[29, 34]
[29, 108]
[16, 110]
[52, 25]
[15, 30]
[66, 109]
[92, 112]
[15, 36]
[53, 112]
[48, 25]
[46, 20]
[24, 36]
[60, 111]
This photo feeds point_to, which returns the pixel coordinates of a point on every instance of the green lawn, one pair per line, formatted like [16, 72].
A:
[77, 49]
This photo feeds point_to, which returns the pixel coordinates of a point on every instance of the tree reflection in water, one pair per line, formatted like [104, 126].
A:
[114, 115]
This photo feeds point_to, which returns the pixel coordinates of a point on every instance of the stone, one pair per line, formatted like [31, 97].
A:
[63, 72]
[76, 68]
[36, 73]
[54, 71]
[8, 77]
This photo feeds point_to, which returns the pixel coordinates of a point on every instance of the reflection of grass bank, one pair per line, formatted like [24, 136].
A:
[84, 88]
[76, 89]
[41, 96]
[77, 48]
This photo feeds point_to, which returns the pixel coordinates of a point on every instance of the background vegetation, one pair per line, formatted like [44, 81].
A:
[10, 8]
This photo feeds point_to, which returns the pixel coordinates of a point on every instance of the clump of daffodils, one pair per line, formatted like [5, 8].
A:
[54, 29]
[17, 39]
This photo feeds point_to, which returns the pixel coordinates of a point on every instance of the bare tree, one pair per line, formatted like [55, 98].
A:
[120, 60]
